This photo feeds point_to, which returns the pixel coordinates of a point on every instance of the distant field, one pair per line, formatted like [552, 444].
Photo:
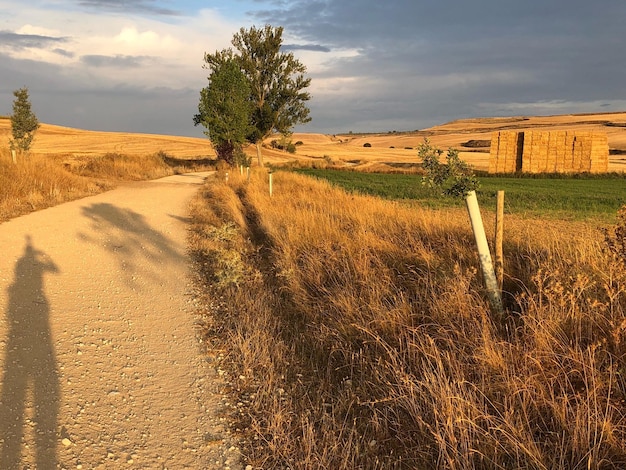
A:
[388, 151]
[393, 149]
[563, 198]
[70, 142]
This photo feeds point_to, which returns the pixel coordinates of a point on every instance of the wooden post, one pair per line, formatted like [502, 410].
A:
[484, 255]
[248, 171]
[499, 239]
[13, 156]
[271, 185]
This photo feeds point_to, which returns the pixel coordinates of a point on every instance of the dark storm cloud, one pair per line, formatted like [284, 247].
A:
[305, 47]
[64, 53]
[124, 61]
[18, 41]
[59, 97]
[127, 6]
[429, 60]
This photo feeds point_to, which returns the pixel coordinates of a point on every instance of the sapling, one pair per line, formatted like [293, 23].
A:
[456, 178]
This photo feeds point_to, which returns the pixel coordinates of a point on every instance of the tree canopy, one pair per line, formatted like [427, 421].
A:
[276, 81]
[24, 123]
[225, 110]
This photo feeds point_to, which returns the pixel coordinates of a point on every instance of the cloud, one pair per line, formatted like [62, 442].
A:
[64, 53]
[125, 6]
[424, 62]
[111, 72]
[19, 41]
[375, 66]
[305, 47]
[123, 61]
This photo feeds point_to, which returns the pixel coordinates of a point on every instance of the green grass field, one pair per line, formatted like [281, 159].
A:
[574, 198]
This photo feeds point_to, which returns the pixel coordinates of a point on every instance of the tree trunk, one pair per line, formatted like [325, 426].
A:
[259, 155]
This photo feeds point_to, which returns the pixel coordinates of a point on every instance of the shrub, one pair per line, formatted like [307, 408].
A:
[286, 146]
[367, 144]
[454, 178]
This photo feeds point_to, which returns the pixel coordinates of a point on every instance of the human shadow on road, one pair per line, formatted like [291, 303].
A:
[129, 236]
[29, 365]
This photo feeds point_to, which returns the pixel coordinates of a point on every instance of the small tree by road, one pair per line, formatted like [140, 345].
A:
[225, 110]
[24, 123]
[276, 79]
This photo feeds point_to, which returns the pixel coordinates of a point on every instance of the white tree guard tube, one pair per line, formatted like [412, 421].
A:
[489, 275]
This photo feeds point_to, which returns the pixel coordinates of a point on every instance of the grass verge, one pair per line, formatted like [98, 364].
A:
[36, 182]
[359, 335]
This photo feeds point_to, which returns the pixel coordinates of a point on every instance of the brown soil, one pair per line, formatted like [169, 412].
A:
[101, 366]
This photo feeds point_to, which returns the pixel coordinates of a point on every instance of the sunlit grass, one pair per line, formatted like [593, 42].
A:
[36, 181]
[361, 336]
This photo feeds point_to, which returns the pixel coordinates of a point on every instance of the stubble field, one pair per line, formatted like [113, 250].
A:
[388, 151]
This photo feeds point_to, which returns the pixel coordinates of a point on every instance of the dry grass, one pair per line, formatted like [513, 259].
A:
[66, 164]
[360, 337]
[40, 181]
[35, 183]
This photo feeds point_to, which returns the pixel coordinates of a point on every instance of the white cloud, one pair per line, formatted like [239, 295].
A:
[175, 48]
[134, 41]
[39, 31]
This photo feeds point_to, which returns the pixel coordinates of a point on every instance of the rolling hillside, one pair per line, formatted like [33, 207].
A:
[386, 148]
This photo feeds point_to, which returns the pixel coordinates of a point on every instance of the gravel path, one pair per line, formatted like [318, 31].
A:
[101, 367]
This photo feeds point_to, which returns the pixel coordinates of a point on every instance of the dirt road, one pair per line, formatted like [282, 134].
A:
[100, 364]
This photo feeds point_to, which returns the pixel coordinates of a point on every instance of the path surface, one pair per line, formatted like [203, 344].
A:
[100, 364]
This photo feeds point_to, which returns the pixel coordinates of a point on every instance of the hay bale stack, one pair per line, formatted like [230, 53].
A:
[505, 152]
[535, 152]
[562, 152]
[599, 153]
[549, 152]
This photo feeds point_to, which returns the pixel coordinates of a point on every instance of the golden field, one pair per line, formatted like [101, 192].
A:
[341, 149]
[348, 148]
[71, 142]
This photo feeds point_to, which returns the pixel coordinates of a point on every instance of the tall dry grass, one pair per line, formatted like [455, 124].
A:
[360, 337]
[35, 183]
[40, 181]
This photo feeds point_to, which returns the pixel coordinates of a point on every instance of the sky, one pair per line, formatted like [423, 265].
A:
[137, 65]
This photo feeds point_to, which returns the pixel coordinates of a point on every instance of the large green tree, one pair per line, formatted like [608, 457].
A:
[24, 123]
[225, 110]
[277, 83]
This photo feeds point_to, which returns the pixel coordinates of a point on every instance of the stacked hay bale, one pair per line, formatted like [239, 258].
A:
[550, 152]
[599, 153]
[506, 152]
